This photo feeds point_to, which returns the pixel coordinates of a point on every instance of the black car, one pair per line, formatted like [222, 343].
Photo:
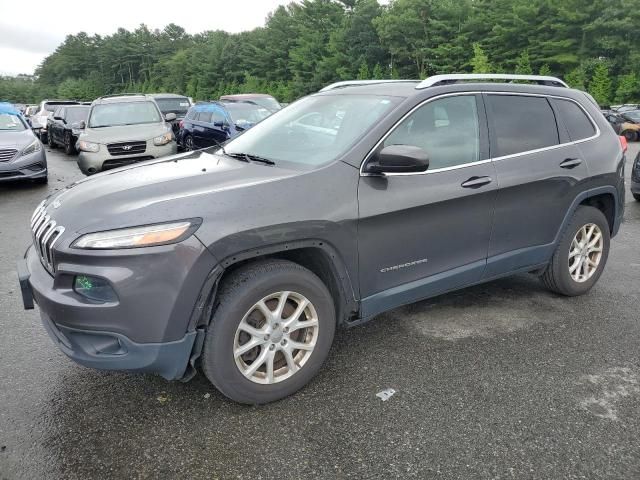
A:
[172, 103]
[346, 204]
[66, 125]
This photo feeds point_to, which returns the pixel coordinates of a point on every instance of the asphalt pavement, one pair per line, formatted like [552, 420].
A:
[502, 380]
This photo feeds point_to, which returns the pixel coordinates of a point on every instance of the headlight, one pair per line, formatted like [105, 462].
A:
[134, 237]
[163, 139]
[88, 146]
[33, 147]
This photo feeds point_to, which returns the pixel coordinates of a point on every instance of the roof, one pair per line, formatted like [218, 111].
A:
[6, 107]
[240, 96]
[124, 97]
[166, 95]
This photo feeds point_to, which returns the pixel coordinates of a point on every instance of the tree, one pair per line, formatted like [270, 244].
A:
[377, 74]
[523, 66]
[628, 90]
[600, 85]
[577, 78]
[363, 73]
[480, 61]
[545, 70]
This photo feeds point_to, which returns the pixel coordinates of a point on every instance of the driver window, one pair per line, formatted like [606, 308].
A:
[447, 129]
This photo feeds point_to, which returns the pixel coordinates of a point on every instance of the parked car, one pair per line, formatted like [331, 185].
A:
[29, 112]
[46, 109]
[22, 156]
[626, 107]
[246, 258]
[635, 178]
[172, 103]
[213, 123]
[262, 99]
[66, 125]
[124, 129]
[622, 126]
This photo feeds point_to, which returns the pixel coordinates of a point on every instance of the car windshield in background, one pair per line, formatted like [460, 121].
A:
[179, 106]
[313, 131]
[123, 113]
[11, 123]
[53, 106]
[77, 114]
[246, 113]
[633, 115]
[268, 103]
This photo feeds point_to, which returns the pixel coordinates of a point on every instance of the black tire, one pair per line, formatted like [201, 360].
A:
[69, 147]
[236, 297]
[636, 196]
[50, 141]
[630, 135]
[44, 138]
[556, 277]
[188, 143]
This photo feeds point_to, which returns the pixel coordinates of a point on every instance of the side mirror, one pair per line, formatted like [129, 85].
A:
[398, 159]
[78, 125]
[57, 118]
[170, 117]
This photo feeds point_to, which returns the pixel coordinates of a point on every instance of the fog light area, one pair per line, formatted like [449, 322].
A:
[93, 288]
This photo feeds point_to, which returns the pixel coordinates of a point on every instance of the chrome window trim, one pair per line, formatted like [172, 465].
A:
[479, 162]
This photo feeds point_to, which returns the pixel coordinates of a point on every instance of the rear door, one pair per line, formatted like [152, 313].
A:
[539, 173]
[424, 233]
[200, 126]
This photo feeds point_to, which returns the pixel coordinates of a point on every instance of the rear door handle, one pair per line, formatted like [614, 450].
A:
[571, 163]
[476, 182]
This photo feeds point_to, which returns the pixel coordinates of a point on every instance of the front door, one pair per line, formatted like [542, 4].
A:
[423, 234]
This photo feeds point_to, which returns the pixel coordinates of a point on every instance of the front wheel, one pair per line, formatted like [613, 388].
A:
[630, 135]
[636, 196]
[50, 141]
[188, 143]
[581, 254]
[270, 333]
[69, 147]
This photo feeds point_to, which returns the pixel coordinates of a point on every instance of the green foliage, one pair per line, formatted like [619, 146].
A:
[600, 85]
[545, 70]
[523, 65]
[480, 61]
[310, 43]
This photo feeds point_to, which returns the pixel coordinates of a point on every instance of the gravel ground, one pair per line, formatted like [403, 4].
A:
[502, 380]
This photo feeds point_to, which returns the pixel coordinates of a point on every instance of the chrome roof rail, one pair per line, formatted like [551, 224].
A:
[437, 80]
[353, 83]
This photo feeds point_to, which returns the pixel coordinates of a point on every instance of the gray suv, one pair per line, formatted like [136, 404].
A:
[124, 129]
[244, 259]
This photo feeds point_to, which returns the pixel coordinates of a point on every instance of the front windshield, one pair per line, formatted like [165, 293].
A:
[179, 106]
[313, 131]
[269, 103]
[11, 123]
[123, 113]
[246, 113]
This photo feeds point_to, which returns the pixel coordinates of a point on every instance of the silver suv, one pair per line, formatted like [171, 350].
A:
[124, 129]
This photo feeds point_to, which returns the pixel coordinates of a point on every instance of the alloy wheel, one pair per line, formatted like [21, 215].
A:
[585, 252]
[276, 337]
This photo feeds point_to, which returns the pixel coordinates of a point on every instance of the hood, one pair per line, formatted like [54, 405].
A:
[171, 188]
[124, 133]
[17, 140]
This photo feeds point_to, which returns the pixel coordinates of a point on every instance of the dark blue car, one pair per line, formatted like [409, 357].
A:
[212, 123]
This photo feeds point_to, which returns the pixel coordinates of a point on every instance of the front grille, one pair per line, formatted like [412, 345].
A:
[127, 148]
[45, 234]
[121, 162]
[7, 154]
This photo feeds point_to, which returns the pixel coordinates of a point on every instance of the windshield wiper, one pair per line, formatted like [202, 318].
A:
[250, 157]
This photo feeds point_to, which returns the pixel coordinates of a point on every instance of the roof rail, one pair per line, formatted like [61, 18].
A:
[352, 83]
[121, 95]
[459, 77]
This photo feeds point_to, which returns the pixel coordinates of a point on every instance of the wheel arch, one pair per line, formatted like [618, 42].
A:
[605, 198]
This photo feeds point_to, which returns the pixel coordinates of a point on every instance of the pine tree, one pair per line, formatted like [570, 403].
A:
[576, 78]
[523, 66]
[480, 61]
[545, 70]
[600, 85]
[363, 73]
[377, 74]
[628, 90]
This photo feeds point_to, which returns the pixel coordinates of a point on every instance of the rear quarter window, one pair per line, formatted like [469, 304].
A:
[521, 124]
[575, 120]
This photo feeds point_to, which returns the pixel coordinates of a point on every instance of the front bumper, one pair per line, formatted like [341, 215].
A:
[149, 327]
[27, 167]
[94, 162]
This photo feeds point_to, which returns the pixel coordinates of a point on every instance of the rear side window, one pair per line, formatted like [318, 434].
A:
[575, 120]
[191, 114]
[521, 124]
[204, 117]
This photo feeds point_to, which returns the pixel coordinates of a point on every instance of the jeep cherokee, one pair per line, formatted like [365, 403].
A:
[244, 259]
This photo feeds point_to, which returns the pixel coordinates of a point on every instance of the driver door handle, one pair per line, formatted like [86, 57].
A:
[570, 163]
[476, 182]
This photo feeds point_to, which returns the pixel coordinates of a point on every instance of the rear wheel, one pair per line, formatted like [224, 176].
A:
[69, 147]
[581, 255]
[271, 332]
[636, 196]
